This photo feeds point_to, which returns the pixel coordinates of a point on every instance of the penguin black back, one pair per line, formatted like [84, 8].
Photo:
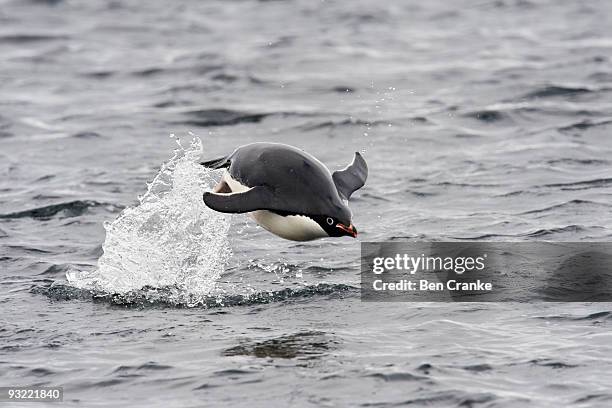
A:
[286, 180]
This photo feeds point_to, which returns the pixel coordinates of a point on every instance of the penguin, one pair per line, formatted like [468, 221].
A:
[287, 191]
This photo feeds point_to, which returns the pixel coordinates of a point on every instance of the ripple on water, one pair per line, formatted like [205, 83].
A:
[221, 117]
[552, 91]
[583, 125]
[303, 345]
[30, 38]
[63, 210]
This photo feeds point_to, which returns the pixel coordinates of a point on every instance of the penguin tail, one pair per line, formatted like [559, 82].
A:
[220, 163]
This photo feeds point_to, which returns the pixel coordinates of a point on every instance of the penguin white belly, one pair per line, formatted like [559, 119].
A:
[293, 227]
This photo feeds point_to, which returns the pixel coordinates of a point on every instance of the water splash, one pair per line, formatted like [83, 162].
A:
[169, 240]
[153, 297]
[281, 269]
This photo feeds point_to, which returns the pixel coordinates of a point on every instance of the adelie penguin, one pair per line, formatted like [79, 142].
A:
[287, 191]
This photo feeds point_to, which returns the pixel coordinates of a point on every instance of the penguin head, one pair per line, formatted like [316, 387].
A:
[335, 227]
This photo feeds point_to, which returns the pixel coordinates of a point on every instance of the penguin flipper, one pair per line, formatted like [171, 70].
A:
[220, 163]
[257, 198]
[352, 178]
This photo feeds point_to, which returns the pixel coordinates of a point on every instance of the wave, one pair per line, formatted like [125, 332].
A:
[581, 185]
[552, 91]
[454, 398]
[477, 185]
[29, 38]
[512, 112]
[401, 376]
[348, 122]
[303, 345]
[488, 115]
[512, 193]
[343, 89]
[65, 210]
[582, 125]
[98, 74]
[422, 193]
[543, 232]
[173, 296]
[570, 203]
[221, 75]
[547, 362]
[147, 72]
[578, 162]
[485, 237]
[477, 368]
[596, 316]
[221, 117]
[467, 136]
[198, 68]
[46, 2]
[86, 135]
[603, 399]
[551, 231]
[230, 117]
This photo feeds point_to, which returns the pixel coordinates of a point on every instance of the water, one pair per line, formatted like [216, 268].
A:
[479, 121]
[165, 232]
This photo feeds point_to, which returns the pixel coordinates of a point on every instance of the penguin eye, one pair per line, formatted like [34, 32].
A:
[330, 221]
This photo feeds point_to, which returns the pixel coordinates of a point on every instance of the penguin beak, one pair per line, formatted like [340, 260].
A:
[350, 230]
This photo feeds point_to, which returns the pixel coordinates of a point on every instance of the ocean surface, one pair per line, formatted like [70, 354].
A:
[480, 120]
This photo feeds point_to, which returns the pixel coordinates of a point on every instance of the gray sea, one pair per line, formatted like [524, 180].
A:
[480, 120]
